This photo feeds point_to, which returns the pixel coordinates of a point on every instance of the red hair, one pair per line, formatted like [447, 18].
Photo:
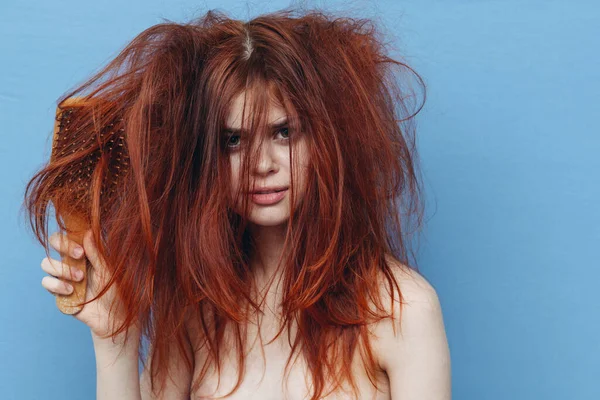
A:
[174, 247]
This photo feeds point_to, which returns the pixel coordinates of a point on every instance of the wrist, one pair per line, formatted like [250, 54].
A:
[132, 340]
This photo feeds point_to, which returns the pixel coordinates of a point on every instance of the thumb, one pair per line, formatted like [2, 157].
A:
[98, 276]
[91, 251]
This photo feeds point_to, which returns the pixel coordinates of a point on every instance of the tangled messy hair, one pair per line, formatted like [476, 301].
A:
[174, 248]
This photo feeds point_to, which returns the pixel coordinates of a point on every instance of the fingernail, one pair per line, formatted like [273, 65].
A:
[77, 273]
[77, 252]
[69, 288]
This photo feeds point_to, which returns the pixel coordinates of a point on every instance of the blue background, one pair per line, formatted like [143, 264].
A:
[510, 152]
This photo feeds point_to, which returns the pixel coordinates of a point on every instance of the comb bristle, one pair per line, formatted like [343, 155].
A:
[69, 141]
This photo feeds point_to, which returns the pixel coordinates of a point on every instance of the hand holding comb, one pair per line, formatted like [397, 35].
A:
[86, 156]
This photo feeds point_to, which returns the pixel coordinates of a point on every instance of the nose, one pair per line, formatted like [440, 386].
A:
[266, 162]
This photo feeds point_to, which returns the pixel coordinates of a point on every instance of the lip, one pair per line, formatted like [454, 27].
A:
[267, 188]
[266, 199]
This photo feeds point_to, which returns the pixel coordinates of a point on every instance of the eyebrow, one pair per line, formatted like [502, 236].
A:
[276, 125]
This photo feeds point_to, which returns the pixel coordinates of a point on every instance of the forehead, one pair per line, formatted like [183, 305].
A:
[275, 111]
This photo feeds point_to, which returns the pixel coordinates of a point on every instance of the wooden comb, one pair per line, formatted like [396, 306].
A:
[76, 136]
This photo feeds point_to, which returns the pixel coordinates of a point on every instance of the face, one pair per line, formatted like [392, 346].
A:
[273, 168]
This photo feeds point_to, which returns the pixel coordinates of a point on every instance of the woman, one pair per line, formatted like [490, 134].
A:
[259, 239]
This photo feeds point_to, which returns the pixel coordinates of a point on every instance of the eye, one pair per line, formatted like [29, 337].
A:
[232, 141]
[284, 131]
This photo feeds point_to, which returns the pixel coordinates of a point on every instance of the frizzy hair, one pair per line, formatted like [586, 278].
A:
[174, 248]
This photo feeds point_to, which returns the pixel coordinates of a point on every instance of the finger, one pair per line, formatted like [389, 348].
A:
[99, 274]
[56, 286]
[91, 251]
[60, 269]
[63, 245]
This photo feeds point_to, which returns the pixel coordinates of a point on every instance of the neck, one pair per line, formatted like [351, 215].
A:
[268, 241]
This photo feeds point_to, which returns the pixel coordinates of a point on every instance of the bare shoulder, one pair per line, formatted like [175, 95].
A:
[416, 291]
[413, 349]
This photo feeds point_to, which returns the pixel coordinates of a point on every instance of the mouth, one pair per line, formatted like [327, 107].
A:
[268, 197]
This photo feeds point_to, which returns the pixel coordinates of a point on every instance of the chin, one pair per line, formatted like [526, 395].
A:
[268, 223]
[268, 217]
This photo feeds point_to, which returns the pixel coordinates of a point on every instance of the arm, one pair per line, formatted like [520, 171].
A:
[117, 364]
[117, 375]
[416, 358]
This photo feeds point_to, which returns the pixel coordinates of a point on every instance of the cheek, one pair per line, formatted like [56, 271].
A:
[301, 170]
[234, 163]
[300, 180]
[234, 177]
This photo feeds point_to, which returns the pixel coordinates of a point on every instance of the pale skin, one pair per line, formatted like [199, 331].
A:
[415, 360]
